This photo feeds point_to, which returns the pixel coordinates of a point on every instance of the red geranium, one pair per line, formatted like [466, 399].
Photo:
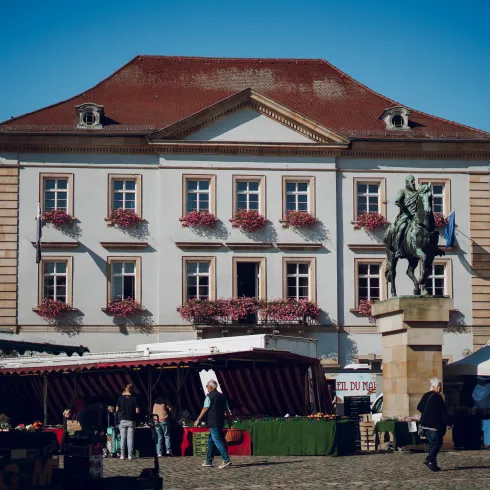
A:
[199, 218]
[365, 308]
[289, 310]
[125, 218]
[58, 217]
[300, 219]
[440, 220]
[52, 308]
[250, 220]
[371, 221]
[124, 307]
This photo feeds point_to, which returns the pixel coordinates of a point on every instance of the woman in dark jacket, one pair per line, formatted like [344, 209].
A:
[433, 421]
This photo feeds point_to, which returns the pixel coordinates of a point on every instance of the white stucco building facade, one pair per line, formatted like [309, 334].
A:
[224, 149]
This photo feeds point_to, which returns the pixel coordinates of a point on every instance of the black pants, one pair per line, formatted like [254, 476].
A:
[434, 441]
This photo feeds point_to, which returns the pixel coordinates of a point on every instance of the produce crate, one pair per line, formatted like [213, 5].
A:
[200, 444]
[368, 438]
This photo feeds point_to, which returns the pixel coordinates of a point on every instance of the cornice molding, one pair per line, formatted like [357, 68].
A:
[57, 245]
[368, 247]
[248, 245]
[198, 245]
[298, 246]
[124, 245]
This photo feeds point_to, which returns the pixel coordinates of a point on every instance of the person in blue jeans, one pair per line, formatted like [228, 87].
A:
[162, 412]
[214, 410]
[128, 410]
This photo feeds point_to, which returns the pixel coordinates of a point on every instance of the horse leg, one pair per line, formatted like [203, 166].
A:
[412, 265]
[394, 262]
[423, 271]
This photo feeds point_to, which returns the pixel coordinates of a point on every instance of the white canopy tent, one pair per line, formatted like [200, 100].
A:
[477, 364]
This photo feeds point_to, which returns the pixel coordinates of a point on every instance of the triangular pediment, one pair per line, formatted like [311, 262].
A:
[249, 117]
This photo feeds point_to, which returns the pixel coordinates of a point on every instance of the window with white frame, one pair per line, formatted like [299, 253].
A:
[55, 280]
[438, 193]
[124, 194]
[198, 193]
[297, 196]
[436, 282]
[56, 194]
[298, 280]
[368, 197]
[247, 195]
[369, 281]
[123, 279]
[198, 279]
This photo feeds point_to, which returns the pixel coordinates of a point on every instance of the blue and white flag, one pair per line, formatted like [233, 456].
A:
[39, 233]
[449, 230]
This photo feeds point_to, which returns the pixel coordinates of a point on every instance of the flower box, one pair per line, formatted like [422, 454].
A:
[199, 218]
[440, 220]
[299, 219]
[57, 217]
[371, 221]
[249, 221]
[124, 307]
[365, 308]
[124, 218]
[200, 311]
[49, 309]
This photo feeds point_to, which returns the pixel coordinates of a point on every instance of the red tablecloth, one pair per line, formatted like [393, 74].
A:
[58, 432]
[243, 448]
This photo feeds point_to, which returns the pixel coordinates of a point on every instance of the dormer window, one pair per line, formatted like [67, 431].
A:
[90, 115]
[396, 118]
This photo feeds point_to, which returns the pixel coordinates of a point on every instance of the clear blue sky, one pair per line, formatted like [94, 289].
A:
[432, 55]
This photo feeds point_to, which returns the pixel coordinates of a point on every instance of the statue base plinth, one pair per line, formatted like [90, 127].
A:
[412, 338]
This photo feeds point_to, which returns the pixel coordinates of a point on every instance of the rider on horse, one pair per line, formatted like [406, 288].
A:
[406, 200]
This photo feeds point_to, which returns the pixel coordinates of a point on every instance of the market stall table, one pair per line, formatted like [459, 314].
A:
[58, 431]
[304, 437]
[399, 430]
[243, 448]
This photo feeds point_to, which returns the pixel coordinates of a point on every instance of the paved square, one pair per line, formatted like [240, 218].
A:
[461, 470]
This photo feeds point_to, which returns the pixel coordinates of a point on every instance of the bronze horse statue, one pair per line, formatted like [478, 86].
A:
[419, 243]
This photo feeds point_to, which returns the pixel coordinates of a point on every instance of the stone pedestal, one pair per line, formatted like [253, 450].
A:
[412, 338]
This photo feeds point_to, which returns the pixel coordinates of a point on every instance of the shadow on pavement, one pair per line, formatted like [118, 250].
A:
[461, 468]
[263, 463]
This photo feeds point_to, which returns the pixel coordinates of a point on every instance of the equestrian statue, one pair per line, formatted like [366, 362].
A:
[413, 236]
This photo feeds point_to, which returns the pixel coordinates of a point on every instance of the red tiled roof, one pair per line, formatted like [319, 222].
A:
[157, 91]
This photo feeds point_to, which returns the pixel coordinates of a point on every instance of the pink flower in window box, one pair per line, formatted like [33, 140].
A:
[57, 217]
[124, 218]
[289, 310]
[50, 309]
[200, 311]
[300, 219]
[249, 221]
[365, 308]
[199, 218]
[440, 220]
[371, 221]
[124, 307]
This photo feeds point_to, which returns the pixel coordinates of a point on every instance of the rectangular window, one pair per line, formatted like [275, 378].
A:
[441, 194]
[124, 278]
[249, 193]
[56, 192]
[125, 192]
[369, 281]
[436, 284]
[369, 196]
[199, 274]
[55, 279]
[298, 195]
[299, 278]
[199, 193]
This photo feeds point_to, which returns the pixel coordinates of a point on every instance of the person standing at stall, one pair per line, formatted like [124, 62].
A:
[128, 410]
[215, 408]
[433, 421]
[162, 411]
[93, 418]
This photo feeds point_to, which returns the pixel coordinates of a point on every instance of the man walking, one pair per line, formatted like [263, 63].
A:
[433, 421]
[215, 407]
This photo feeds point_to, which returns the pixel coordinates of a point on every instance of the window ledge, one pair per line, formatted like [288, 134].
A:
[52, 245]
[111, 223]
[105, 309]
[36, 309]
[124, 245]
[284, 223]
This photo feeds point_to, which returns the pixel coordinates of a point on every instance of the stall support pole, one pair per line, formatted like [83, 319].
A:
[45, 398]
[179, 386]
[150, 391]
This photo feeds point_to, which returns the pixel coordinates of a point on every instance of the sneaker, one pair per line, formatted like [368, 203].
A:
[160, 455]
[224, 464]
[122, 456]
[431, 466]
[206, 465]
[169, 453]
[130, 457]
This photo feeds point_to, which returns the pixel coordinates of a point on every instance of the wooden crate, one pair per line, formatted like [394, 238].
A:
[367, 417]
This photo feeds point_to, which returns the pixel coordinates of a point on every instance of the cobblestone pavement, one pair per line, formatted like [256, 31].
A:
[460, 470]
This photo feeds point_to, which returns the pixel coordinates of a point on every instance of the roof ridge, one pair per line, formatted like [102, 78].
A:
[225, 58]
[400, 104]
[70, 98]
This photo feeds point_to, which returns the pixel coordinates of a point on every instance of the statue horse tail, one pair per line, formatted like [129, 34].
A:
[388, 241]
